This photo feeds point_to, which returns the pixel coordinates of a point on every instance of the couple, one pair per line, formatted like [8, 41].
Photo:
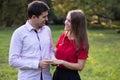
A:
[31, 47]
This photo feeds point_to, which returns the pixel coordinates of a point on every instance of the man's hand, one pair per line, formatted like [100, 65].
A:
[44, 63]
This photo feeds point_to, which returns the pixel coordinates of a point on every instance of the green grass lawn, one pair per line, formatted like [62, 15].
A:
[103, 62]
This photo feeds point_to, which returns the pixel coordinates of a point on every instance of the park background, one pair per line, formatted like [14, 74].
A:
[103, 17]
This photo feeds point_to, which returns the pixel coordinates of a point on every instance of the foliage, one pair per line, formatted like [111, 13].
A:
[61, 8]
[106, 10]
[14, 12]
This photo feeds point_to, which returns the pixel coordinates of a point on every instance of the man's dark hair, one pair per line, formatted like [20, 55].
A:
[36, 8]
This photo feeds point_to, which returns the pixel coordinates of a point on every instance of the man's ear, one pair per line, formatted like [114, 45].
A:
[33, 17]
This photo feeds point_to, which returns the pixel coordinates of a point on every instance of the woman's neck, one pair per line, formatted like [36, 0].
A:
[70, 35]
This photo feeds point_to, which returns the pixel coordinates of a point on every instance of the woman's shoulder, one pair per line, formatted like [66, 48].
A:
[63, 34]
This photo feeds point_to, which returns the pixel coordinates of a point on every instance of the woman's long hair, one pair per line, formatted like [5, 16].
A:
[79, 28]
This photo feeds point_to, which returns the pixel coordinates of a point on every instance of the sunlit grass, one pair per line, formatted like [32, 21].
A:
[103, 62]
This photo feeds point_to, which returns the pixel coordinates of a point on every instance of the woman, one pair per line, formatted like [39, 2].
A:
[72, 47]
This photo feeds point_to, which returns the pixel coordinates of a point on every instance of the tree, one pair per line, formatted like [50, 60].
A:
[12, 12]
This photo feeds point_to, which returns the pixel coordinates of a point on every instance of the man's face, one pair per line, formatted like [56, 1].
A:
[41, 20]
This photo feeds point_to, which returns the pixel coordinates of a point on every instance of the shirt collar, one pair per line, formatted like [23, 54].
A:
[30, 27]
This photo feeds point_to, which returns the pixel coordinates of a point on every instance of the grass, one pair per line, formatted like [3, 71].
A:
[103, 62]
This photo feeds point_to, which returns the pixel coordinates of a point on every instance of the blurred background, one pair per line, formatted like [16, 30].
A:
[105, 13]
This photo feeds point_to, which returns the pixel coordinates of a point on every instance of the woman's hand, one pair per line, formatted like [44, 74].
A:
[54, 61]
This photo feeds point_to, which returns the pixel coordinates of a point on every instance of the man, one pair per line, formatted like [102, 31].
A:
[31, 45]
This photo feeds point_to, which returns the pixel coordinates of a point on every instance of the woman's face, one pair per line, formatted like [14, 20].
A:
[68, 23]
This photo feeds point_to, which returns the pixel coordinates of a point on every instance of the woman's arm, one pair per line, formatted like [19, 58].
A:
[73, 66]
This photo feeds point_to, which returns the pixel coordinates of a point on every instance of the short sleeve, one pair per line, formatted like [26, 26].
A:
[83, 53]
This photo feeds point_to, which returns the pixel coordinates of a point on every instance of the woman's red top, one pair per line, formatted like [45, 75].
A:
[66, 50]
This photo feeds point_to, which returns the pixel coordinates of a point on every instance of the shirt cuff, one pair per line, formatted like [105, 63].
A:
[35, 64]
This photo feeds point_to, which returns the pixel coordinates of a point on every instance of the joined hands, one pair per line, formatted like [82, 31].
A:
[46, 62]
